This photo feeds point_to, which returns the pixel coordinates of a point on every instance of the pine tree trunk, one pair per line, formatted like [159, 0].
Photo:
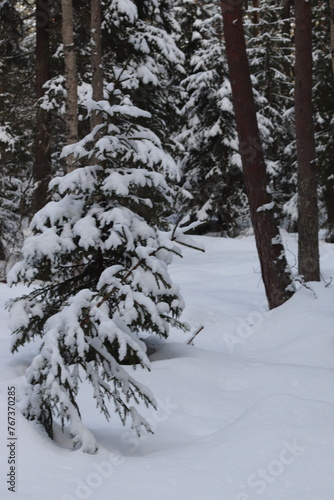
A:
[274, 268]
[71, 79]
[308, 244]
[286, 30]
[286, 16]
[256, 17]
[42, 164]
[329, 204]
[332, 33]
[96, 58]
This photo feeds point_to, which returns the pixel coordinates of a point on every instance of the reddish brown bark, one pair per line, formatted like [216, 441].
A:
[42, 164]
[308, 246]
[274, 268]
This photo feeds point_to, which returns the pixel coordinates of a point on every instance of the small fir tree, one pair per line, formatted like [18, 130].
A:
[102, 265]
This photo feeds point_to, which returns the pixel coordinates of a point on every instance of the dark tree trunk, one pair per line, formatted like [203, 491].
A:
[332, 33]
[2, 254]
[286, 16]
[275, 272]
[329, 203]
[308, 246]
[286, 29]
[71, 79]
[256, 17]
[96, 58]
[42, 164]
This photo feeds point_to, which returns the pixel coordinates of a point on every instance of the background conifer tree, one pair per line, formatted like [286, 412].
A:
[323, 99]
[212, 181]
[271, 57]
[16, 117]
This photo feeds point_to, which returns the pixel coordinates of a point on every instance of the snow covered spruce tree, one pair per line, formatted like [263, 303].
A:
[102, 264]
[16, 134]
[270, 53]
[211, 166]
[141, 35]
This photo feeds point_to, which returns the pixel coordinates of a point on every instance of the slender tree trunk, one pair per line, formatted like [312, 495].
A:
[286, 16]
[308, 246]
[332, 33]
[275, 273]
[42, 164]
[71, 79]
[329, 203]
[96, 58]
[329, 186]
[286, 29]
[256, 17]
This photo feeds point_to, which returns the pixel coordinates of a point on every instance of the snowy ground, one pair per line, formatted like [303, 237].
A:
[247, 413]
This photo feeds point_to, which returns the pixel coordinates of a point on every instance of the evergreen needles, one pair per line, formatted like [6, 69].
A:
[101, 264]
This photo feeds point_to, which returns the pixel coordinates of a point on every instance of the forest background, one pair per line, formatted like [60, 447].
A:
[174, 56]
[166, 118]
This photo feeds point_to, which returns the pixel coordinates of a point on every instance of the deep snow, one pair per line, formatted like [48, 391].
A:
[245, 413]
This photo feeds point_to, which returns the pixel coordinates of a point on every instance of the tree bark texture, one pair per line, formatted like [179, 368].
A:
[71, 78]
[42, 163]
[256, 17]
[274, 267]
[308, 244]
[96, 58]
[328, 195]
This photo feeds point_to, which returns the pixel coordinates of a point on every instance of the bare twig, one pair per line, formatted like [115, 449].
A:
[190, 341]
[300, 279]
[329, 281]
[189, 246]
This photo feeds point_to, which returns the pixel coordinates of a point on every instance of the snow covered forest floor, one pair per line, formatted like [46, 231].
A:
[245, 413]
